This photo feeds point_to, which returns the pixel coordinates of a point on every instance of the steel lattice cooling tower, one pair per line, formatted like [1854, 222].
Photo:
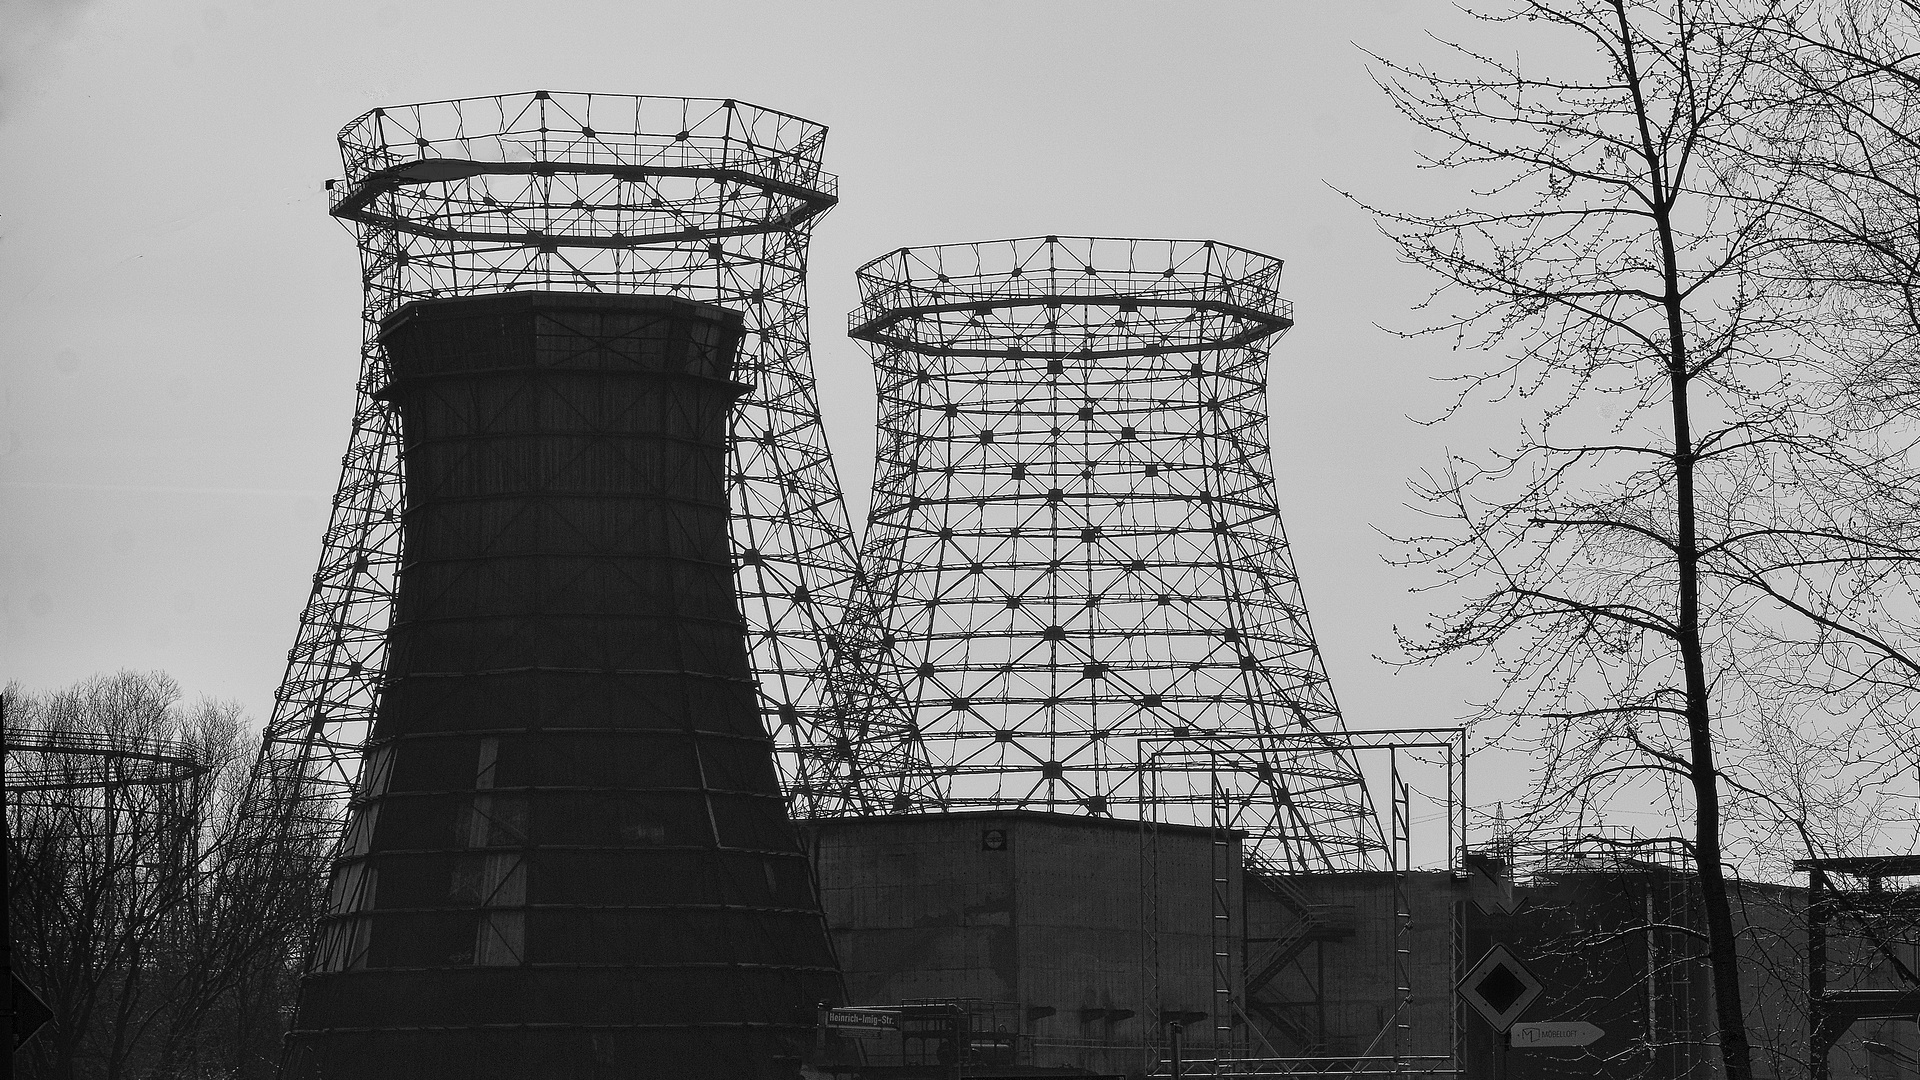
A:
[586, 504]
[1075, 544]
[705, 199]
[571, 857]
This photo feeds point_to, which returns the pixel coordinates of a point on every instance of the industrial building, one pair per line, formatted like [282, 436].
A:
[1093, 931]
[1077, 928]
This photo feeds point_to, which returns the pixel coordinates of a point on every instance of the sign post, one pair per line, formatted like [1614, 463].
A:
[1499, 988]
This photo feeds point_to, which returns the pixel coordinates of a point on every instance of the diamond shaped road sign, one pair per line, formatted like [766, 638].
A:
[1499, 988]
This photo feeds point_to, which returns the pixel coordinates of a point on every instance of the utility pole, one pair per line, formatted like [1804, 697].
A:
[6, 895]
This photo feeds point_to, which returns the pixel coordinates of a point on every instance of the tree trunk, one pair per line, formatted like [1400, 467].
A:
[1735, 1053]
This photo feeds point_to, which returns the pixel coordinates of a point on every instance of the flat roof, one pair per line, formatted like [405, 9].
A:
[1035, 816]
[1865, 865]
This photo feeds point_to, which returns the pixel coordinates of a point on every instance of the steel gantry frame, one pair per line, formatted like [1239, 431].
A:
[1075, 543]
[1181, 772]
[705, 199]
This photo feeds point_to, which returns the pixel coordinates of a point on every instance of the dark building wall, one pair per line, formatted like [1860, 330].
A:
[1622, 946]
[1613, 949]
[921, 907]
[1614, 946]
[1095, 928]
[1337, 996]
[572, 857]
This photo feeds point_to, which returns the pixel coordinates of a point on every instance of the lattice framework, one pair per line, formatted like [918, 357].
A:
[712, 200]
[1075, 543]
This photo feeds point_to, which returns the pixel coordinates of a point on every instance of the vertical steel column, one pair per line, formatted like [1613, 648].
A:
[1400, 848]
[1221, 866]
[1822, 1032]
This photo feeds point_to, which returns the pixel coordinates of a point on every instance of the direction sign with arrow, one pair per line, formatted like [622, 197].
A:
[1557, 1033]
[28, 1011]
[1490, 883]
[1499, 988]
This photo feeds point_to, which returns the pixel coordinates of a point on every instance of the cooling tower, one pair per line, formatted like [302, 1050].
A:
[1076, 546]
[569, 856]
[712, 200]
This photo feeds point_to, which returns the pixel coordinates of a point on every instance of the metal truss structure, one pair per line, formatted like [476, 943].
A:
[1075, 543]
[1190, 776]
[68, 760]
[708, 200]
[126, 806]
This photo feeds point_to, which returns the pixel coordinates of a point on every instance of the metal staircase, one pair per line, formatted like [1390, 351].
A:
[1268, 958]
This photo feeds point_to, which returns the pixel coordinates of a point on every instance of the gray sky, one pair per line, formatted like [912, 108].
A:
[180, 316]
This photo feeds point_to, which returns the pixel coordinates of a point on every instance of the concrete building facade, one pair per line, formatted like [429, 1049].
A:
[1097, 932]
[1073, 941]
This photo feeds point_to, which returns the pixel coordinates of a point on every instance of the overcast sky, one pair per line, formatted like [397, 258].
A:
[180, 316]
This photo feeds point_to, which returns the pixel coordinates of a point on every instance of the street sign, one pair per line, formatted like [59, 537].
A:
[1558, 1033]
[29, 1012]
[1499, 988]
[863, 1023]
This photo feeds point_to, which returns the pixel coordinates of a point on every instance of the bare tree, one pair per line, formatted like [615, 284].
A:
[1845, 125]
[155, 955]
[1658, 567]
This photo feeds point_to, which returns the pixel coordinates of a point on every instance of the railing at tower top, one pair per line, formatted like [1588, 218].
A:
[1182, 296]
[544, 126]
[710, 200]
[71, 760]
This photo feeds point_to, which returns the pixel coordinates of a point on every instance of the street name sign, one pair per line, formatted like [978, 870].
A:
[1499, 988]
[1557, 1033]
[863, 1023]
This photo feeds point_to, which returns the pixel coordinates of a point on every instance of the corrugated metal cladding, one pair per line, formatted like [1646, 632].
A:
[573, 860]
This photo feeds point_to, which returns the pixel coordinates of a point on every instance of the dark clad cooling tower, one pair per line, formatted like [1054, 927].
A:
[572, 859]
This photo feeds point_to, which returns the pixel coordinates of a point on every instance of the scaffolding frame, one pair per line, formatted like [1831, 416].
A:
[1192, 756]
[66, 775]
[1878, 915]
[711, 200]
[1075, 542]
